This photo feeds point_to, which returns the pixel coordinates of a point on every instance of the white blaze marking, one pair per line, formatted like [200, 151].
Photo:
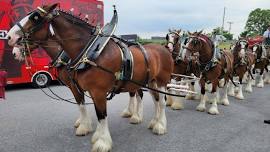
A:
[14, 31]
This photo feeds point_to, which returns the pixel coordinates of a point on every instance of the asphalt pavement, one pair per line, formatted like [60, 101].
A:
[32, 122]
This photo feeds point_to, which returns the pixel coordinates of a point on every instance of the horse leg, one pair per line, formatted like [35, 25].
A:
[261, 83]
[159, 123]
[231, 91]
[201, 107]
[267, 76]
[214, 109]
[249, 85]
[177, 103]
[191, 96]
[128, 111]
[239, 94]
[101, 139]
[83, 123]
[225, 100]
[169, 101]
[137, 116]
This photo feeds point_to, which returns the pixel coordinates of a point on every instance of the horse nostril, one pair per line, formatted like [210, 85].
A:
[8, 37]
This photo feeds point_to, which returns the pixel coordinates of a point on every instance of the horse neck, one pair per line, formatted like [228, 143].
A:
[71, 37]
[52, 48]
[206, 53]
[176, 50]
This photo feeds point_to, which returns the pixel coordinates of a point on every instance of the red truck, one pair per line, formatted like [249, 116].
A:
[36, 70]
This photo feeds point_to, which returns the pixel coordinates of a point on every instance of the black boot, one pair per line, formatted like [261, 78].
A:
[267, 121]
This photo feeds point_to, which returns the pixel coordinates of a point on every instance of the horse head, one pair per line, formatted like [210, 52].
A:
[241, 48]
[196, 42]
[173, 40]
[29, 32]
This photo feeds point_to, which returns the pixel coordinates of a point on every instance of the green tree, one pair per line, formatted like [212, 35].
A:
[225, 33]
[257, 22]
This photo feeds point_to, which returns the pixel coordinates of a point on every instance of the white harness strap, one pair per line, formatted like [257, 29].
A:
[51, 30]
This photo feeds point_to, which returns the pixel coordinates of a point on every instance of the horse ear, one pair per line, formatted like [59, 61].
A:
[189, 33]
[53, 6]
[179, 31]
[170, 30]
[200, 32]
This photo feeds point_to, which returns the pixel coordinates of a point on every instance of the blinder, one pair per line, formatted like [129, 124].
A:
[36, 18]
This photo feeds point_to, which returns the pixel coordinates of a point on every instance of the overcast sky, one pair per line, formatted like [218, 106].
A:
[154, 17]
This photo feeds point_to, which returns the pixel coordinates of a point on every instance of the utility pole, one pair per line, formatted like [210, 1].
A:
[223, 20]
[230, 25]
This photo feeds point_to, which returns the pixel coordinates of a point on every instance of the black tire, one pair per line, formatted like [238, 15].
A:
[41, 80]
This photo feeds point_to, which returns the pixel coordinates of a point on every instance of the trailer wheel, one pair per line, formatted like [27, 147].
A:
[41, 80]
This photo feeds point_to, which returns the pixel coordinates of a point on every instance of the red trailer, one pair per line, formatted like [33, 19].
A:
[37, 70]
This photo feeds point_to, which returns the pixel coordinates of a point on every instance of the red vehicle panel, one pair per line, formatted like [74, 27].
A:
[12, 11]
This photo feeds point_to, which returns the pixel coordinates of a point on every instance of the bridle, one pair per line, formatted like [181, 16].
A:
[39, 18]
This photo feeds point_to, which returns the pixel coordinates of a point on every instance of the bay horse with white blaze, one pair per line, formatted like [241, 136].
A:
[244, 59]
[182, 65]
[97, 79]
[260, 62]
[214, 66]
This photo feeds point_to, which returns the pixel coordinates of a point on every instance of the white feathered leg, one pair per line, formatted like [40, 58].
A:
[214, 109]
[191, 96]
[225, 100]
[201, 107]
[239, 94]
[102, 140]
[160, 126]
[260, 83]
[84, 122]
[249, 85]
[231, 91]
[128, 111]
[137, 116]
[267, 78]
[156, 114]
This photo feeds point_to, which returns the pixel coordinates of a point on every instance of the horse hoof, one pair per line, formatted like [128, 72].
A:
[231, 94]
[189, 97]
[225, 102]
[260, 85]
[200, 108]
[126, 114]
[83, 130]
[77, 123]
[102, 146]
[152, 123]
[159, 129]
[213, 111]
[239, 97]
[249, 90]
[177, 106]
[135, 119]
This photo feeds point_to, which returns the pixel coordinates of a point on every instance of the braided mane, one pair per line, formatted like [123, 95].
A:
[76, 20]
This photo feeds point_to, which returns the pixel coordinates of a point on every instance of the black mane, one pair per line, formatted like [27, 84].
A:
[77, 20]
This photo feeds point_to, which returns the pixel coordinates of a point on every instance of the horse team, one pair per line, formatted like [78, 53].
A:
[195, 54]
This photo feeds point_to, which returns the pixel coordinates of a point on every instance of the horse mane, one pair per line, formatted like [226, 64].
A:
[77, 20]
